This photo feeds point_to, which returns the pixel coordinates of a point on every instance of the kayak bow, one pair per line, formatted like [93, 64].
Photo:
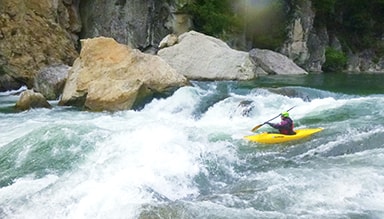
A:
[272, 138]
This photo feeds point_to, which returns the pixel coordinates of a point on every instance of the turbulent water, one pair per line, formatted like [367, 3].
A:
[185, 156]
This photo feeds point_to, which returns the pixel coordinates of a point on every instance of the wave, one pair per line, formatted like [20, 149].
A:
[13, 92]
[185, 156]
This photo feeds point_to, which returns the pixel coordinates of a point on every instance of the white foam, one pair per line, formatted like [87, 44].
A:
[154, 155]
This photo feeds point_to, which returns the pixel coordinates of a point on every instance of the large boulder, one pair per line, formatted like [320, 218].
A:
[112, 76]
[201, 57]
[275, 63]
[34, 34]
[30, 99]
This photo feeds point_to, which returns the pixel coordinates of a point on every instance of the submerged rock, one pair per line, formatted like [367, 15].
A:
[245, 107]
[29, 99]
[112, 76]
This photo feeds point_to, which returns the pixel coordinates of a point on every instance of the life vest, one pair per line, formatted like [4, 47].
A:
[287, 129]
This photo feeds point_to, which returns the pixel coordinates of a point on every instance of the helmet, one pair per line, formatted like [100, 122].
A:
[285, 114]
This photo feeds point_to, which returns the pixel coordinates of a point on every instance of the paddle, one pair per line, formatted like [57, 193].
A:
[258, 126]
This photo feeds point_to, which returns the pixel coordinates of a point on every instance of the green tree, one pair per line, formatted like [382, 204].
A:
[324, 10]
[213, 17]
[358, 23]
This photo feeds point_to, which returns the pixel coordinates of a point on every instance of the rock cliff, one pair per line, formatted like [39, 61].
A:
[34, 34]
[139, 24]
[306, 42]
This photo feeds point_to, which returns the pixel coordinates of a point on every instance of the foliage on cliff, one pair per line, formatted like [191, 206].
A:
[358, 23]
[213, 17]
[252, 19]
[335, 60]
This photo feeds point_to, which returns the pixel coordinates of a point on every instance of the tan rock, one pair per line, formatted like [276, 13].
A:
[34, 34]
[29, 99]
[121, 96]
[169, 40]
[111, 76]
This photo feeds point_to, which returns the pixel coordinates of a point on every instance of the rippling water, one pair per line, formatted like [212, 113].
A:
[185, 157]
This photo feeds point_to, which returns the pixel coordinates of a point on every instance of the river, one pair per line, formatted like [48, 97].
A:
[185, 156]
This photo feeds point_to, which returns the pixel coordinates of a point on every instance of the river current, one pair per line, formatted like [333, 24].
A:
[184, 156]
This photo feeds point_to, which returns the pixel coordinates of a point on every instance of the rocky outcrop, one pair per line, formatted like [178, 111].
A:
[365, 61]
[139, 24]
[304, 44]
[29, 99]
[50, 81]
[201, 57]
[275, 63]
[111, 76]
[34, 34]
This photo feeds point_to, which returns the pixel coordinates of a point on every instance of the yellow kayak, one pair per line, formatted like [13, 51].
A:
[272, 138]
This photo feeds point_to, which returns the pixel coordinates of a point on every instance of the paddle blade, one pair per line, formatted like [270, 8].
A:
[257, 127]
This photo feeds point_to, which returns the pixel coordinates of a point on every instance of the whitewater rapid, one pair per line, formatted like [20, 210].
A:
[185, 157]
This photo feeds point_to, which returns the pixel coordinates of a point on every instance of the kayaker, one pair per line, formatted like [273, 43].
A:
[285, 126]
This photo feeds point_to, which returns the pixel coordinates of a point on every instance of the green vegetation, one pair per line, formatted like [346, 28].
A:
[335, 60]
[262, 23]
[213, 17]
[2, 71]
[358, 23]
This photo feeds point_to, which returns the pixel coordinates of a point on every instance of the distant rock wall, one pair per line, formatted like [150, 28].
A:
[139, 24]
[304, 44]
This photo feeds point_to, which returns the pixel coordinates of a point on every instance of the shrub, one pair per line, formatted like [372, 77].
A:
[335, 60]
[213, 17]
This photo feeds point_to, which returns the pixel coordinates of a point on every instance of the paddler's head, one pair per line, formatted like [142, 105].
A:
[284, 114]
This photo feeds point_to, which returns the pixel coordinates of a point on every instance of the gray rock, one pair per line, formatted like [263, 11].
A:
[275, 63]
[139, 24]
[304, 44]
[201, 57]
[50, 81]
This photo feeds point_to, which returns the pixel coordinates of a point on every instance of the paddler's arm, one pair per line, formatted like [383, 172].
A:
[272, 125]
[280, 125]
